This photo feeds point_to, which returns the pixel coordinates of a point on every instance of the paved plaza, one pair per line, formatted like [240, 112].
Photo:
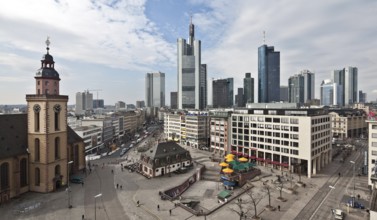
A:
[121, 190]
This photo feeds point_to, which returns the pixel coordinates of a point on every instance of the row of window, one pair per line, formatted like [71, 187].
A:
[5, 178]
[37, 152]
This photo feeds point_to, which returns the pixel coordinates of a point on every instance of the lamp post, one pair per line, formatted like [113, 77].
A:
[354, 186]
[68, 189]
[95, 205]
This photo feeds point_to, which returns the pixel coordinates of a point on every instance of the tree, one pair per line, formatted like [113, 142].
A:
[240, 208]
[267, 188]
[255, 198]
[280, 185]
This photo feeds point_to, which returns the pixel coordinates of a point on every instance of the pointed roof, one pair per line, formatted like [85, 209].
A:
[162, 150]
[47, 69]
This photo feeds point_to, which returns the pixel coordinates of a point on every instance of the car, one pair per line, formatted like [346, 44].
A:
[124, 151]
[338, 213]
[131, 146]
[356, 204]
[76, 179]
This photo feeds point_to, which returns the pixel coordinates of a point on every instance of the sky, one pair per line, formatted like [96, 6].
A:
[110, 45]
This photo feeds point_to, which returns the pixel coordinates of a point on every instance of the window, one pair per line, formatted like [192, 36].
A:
[36, 149]
[4, 176]
[23, 172]
[57, 148]
[57, 110]
[37, 110]
[374, 135]
[374, 144]
[374, 153]
[37, 177]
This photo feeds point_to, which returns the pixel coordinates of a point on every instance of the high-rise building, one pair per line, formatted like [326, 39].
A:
[268, 74]
[284, 93]
[362, 97]
[331, 93]
[240, 98]
[173, 100]
[98, 103]
[120, 105]
[155, 89]
[140, 104]
[301, 87]
[192, 91]
[222, 93]
[248, 88]
[347, 78]
[84, 102]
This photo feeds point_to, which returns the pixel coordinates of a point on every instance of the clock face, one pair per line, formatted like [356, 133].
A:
[37, 108]
[57, 108]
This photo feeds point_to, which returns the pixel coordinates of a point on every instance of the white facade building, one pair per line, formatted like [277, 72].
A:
[295, 139]
[92, 136]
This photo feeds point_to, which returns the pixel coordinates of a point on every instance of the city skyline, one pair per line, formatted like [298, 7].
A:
[132, 38]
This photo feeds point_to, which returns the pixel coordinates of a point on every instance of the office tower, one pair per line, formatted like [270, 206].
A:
[191, 78]
[120, 105]
[248, 88]
[98, 103]
[223, 93]
[155, 89]
[284, 93]
[84, 102]
[301, 87]
[331, 93]
[173, 100]
[240, 98]
[347, 78]
[140, 104]
[268, 74]
[362, 97]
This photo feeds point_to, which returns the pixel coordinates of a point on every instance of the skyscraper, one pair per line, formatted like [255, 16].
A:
[240, 98]
[362, 97]
[331, 93]
[173, 100]
[192, 79]
[84, 102]
[301, 87]
[284, 93]
[347, 78]
[248, 88]
[155, 89]
[268, 74]
[223, 93]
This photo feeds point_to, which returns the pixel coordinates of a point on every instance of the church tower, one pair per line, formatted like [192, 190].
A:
[47, 129]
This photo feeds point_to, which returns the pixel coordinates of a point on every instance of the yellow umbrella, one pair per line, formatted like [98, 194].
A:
[243, 159]
[223, 164]
[229, 160]
[227, 170]
[230, 155]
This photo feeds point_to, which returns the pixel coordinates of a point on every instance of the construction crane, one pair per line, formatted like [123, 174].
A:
[95, 90]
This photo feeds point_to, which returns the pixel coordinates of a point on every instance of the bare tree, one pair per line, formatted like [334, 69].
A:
[280, 185]
[255, 198]
[267, 188]
[240, 209]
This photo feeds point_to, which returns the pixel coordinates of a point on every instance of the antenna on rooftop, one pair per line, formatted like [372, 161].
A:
[264, 37]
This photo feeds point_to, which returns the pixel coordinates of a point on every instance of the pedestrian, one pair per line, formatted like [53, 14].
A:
[138, 203]
[169, 211]
[120, 186]
[339, 174]
[117, 185]
[82, 217]
[158, 207]
[112, 171]
[279, 208]
[82, 183]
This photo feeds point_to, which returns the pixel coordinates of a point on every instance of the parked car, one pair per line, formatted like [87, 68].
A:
[76, 179]
[124, 151]
[338, 213]
[356, 204]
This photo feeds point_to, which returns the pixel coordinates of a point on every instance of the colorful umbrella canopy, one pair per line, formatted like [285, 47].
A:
[230, 155]
[229, 160]
[243, 159]
[227, 170]
[223, 164]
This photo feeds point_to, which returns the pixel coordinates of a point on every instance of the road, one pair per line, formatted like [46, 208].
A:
[328, 198]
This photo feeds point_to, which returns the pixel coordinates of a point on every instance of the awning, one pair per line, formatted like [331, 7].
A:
[284, 164]
[260, 159]
[224, 194]
[276, 162]
[252, 157]
[229, 183]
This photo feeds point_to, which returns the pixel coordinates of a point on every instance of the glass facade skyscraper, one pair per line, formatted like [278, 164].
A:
[331, 93]
[223, 93]
[248, 88]
[301, 87]
[347, 78]
[268, 74]
[192, 74]
[155, 89]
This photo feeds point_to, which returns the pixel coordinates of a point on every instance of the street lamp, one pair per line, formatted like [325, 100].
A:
[354, 186]
[68, 189]
[95, 205]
